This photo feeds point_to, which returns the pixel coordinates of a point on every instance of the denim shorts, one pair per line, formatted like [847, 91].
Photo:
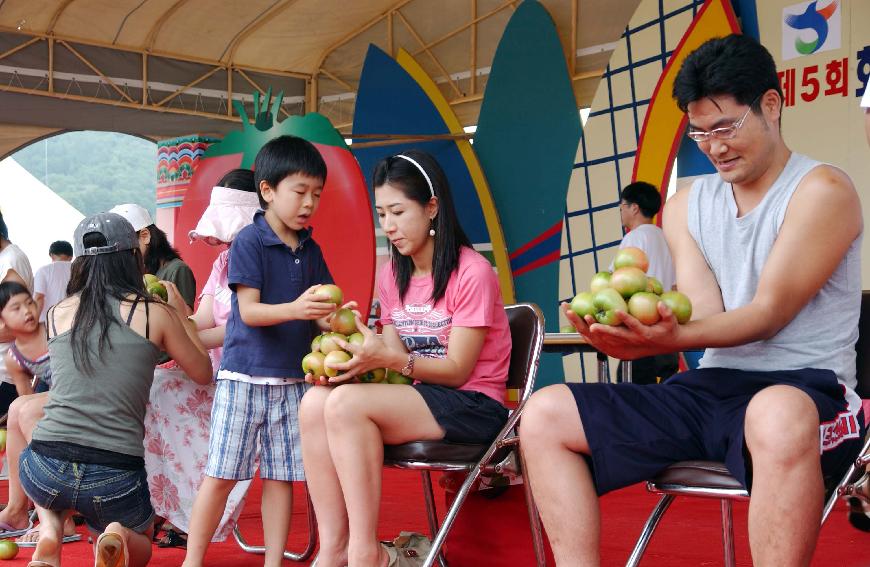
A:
[101, 494]
[466, 416]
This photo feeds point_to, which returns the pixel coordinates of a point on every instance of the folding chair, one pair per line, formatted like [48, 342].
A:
[709, 479]
[290, 556]
[527, 333]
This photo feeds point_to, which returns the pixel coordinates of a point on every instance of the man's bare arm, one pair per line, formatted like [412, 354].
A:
[799, 264]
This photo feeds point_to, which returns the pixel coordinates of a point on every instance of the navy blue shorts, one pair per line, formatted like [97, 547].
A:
[467, 417]
[634, 431]
[101, 494]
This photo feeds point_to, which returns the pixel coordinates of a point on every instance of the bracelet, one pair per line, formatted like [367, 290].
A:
[408, 369]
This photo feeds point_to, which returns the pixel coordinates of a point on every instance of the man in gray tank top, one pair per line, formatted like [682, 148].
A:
[768, 251]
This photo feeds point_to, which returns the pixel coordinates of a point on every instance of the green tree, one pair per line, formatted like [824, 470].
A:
[94, 171]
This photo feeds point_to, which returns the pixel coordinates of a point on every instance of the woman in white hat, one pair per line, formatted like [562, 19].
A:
[176, 442]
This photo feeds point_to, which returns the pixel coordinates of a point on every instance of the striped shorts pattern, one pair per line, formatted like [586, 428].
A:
[244, 414]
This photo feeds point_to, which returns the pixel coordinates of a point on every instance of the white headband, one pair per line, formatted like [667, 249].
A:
[423, 171]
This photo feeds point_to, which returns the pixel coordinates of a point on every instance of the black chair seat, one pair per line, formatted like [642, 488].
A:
[434, 451]
[702, 474]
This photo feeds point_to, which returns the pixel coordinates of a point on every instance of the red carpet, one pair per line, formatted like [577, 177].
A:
[688, 536]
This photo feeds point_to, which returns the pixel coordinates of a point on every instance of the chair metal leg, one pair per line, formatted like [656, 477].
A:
[534, 519]
[648, 529]
[603, 368]
[290, 556]
[728, 533]
[846, 487]
[439, 539]
[431, 514]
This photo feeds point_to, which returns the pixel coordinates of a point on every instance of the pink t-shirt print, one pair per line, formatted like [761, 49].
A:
[472, 299]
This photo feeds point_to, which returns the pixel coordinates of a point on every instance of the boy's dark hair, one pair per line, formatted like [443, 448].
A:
[60, 248]
[449, 236]
[8, 290]
[735, 65]
[160, 251]
[240, 179]
[644, 195]
[4, 231]
[96, 279]
[284, 156]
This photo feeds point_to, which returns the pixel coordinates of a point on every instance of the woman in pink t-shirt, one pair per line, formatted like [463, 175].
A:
[444, 325]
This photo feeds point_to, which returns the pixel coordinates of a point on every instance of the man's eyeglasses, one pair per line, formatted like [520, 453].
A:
[724, 133]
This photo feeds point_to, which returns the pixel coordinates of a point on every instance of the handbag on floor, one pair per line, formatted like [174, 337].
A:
[409, 549]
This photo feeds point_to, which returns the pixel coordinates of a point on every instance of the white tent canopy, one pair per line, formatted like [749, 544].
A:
[34, 214]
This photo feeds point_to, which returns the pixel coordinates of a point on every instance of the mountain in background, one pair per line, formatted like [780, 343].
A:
[94, 171]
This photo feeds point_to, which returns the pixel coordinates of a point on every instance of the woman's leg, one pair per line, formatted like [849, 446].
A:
[360, 419]
[323, 486]
[19, 426]
[138, 545]
[51, 522]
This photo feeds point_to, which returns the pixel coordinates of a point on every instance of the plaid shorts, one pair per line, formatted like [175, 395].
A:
[244, 413]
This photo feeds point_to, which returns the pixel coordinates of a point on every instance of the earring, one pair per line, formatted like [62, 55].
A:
[431, 232]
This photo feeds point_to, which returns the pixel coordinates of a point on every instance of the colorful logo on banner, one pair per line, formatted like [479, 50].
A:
[810, 27]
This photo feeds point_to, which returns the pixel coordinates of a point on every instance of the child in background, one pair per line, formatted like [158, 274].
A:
[275, 268]
[27, 359]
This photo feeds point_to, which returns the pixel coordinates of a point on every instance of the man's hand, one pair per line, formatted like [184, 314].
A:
[632, 339]
[311, 305]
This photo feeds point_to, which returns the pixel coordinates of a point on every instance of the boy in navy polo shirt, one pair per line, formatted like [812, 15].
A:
[275, 269]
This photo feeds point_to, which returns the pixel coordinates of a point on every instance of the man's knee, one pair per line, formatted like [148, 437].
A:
[551, 415]
[781, 422]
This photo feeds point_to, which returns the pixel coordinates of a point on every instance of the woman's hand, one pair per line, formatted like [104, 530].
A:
[173, 298]
[371, 354]
[632, 339]
[352, 305]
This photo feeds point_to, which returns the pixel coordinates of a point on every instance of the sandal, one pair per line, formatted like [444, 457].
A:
[111, 551]
[173, 539]
[158, 527]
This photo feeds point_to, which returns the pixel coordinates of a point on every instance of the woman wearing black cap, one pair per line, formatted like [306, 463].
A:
[104, 339]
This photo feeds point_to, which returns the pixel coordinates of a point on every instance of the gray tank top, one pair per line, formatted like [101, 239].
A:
[104, 409]
[736, 250]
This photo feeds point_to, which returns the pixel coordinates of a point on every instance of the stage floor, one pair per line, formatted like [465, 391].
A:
[689, 534]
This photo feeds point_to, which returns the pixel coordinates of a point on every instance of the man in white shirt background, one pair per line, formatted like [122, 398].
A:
[50, 281]
[639, 203]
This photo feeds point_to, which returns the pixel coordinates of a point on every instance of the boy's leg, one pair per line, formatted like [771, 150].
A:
[208, 508]
[276, 508]
[782, 436]
[360, 418]
[280, 463]
[236, 418]
[322, 480]
[553, 443]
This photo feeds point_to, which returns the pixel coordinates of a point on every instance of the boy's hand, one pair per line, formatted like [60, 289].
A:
[311, 305]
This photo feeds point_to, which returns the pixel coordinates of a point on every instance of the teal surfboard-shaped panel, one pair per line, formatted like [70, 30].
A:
[526, 140]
